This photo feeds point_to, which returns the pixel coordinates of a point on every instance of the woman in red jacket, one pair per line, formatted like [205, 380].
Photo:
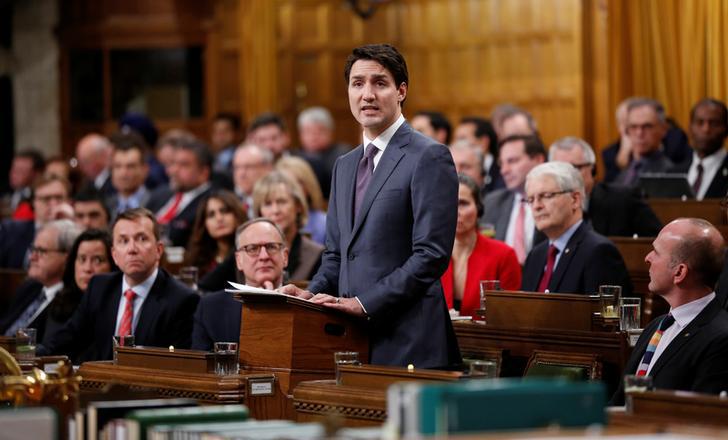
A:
[474, 256]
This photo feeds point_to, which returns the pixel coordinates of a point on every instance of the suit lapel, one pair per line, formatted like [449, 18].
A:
[110, 311]
[150, 310]
[567, 256]
[350, 168]
[501, 228]
[716, 188]
[538, 254]
[686, 335]
[390, 158]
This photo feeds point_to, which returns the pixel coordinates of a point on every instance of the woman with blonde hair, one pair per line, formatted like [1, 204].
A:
[300, 170]
[278, 197]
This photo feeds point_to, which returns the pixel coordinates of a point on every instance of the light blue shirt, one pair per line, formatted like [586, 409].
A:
[561, 242]
[142, 291]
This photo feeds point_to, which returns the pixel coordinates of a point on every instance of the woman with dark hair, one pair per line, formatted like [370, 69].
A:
[474, 256]
[90, 255]
[213, 235]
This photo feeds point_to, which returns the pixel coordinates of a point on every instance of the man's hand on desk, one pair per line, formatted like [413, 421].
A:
[350, 306]
[293, 290]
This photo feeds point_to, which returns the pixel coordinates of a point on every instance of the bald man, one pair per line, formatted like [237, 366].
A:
[93, 153]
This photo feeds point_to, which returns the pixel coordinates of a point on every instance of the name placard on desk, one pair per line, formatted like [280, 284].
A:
[261, 385]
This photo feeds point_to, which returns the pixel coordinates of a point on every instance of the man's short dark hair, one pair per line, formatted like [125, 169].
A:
[130, 140]
[267, 118]
[199, 149]
[89, 195]
[483, 127]
[384, 54]
[532, 145]
[438, 121]
[710, 102]
[136, 214]
[44, 180]
[231, 118]
[35, 156]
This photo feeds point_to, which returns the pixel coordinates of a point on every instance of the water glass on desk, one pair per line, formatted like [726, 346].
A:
[188, 276]
[609, 300]
[485, 286]
[121, 341]
[226, 358]
[344, 358]
[629, 313]
[481, 369]
[25, 343]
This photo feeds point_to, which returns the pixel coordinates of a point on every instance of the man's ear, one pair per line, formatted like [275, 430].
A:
[680, 273]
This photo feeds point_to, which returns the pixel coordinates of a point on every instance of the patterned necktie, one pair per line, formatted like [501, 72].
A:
[364, 173]
[128, 315]
[698, 179]
[519, 235]
[550, 262]
[172, 211]
[667, 321]
[24, 318]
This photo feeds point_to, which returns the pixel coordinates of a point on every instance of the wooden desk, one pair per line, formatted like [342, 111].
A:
[669, 408]
[668, 210]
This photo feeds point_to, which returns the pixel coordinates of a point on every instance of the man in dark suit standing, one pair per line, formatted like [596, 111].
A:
[391, 222]
[176, 207]
[261, 255]
[612, 210]
[142, 300]
[687, 349]
[575, 259]
[707, 167]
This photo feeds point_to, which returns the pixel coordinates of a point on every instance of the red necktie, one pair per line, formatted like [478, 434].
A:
[128, 316]
[550, 261]
[172, 211]
[519, 235]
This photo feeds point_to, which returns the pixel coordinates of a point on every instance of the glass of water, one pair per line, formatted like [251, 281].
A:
[226, 358]
[629, 313]
[25, 343]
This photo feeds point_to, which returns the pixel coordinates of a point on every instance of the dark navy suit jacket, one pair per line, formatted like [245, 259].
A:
[166, 318]
[26, 293]
[392, 256]
[588, 261]
[181, 225]
[718, 186]
[217, 319]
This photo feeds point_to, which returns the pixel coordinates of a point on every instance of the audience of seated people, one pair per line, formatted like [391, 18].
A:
[474, 256]
[707, 166]
[36, 296]
[479, 133]
[261, 256]
[505, 209]
[574, 259]
[279, 198]
[302, 173]
[142, 299]
[612, 210]
[213, 235]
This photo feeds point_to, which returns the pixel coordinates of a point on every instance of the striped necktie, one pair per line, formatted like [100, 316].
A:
[24, 319]
[667, 321]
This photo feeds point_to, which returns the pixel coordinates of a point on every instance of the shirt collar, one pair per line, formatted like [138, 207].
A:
[685, 313]
[197, 191]
[51, 291]
[142, 289]
[561, 242]
[138, 194]
[383, 139]
[101, 178]
[714, 160]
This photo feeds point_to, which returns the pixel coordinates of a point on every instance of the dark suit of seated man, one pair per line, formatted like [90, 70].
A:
[687, 349]
[143, 300]
[575, 259]
[261, 256]
[612, 210]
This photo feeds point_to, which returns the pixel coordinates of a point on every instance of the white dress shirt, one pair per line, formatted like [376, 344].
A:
[383, 139]
[141, 291]
[711, 165]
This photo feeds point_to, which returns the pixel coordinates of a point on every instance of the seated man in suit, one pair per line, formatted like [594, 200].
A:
[176, 208]
[50, 201]
[575, 259]
[129, 170]
[142, 300]
[612, 210]
[504, 208]
[687, 349]
[93, 153]
[480, 133]
[47, 263]
[261, 256]
[707, 167]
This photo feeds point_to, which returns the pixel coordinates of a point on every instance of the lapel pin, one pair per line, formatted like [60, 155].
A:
[686, 335]
[566, 251]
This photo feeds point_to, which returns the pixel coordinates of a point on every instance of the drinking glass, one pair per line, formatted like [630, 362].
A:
[188, 276]
[629, 313]
[25, 343]
[121, 341]
[345, 358]
[609, 300]
[226, 358]
[482, 369]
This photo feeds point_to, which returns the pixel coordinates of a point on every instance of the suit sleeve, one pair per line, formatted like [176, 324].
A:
[78, 332]
[326, 279]
[434, 198]
[201, 339]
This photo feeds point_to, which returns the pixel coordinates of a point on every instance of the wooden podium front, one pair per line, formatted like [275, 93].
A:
[295, 339]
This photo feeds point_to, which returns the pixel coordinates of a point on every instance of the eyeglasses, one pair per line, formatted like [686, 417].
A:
[42, 252]
[254, 249]
[642, 127]
[545, 196]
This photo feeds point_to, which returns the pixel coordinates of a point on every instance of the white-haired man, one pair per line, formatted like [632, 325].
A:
[575, 259]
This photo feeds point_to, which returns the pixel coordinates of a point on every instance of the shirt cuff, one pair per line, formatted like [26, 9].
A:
[362, 305]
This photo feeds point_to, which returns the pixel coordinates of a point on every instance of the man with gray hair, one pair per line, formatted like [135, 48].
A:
[468, 160]
[48, 256]
[612, 210]
[575, 259]
[316, 133]
[250, 164]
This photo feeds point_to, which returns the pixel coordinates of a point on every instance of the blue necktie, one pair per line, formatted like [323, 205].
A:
[24, 318]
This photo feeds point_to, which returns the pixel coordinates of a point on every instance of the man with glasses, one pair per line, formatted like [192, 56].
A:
[47, 262]
[142, 300]
[261, 256]
[575, 259]
[646, 126]
[250, 164]
[50, 202]
[612, 210]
